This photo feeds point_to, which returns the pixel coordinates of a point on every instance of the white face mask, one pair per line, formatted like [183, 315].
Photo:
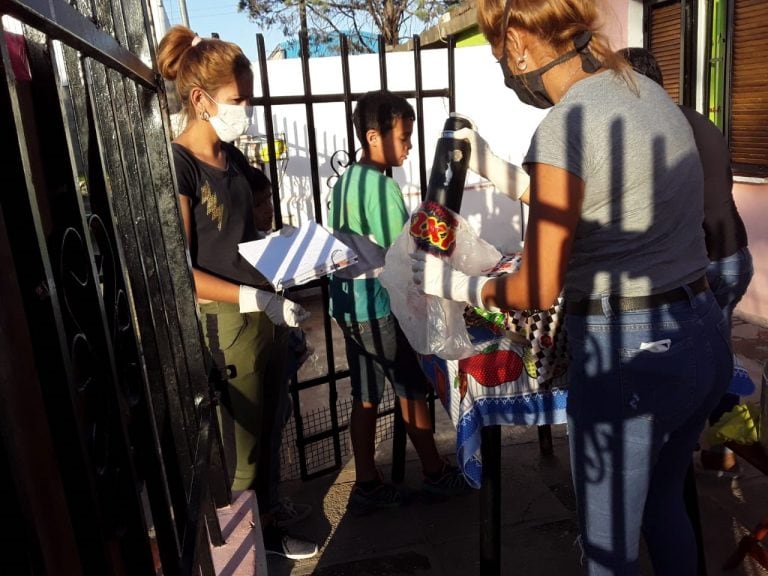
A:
[231, 120]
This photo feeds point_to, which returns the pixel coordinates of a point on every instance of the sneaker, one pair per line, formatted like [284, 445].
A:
[277, 542]
[287, 512]
[448, 482]
[382, 496]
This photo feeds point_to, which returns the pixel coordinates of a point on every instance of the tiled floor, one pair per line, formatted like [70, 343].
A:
[538, 531]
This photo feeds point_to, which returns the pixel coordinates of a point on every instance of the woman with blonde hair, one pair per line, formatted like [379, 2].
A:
[224, 201]
[615, 225]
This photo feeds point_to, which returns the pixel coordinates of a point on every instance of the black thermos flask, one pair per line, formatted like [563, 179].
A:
[449, 169]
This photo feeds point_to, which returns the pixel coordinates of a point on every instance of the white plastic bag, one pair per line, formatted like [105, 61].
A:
[435, 325]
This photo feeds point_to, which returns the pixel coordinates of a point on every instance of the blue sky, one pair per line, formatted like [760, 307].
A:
[206, 17]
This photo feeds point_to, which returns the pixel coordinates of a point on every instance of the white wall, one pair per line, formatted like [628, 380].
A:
[480, 94]
[634, 29]
[505, 123]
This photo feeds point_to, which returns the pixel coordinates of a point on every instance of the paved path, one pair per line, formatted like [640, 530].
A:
[431, 538]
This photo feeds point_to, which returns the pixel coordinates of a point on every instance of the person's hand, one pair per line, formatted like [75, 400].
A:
[284, 312]
[280, 311]
[508, 178]
[481, 154]
[435, 277]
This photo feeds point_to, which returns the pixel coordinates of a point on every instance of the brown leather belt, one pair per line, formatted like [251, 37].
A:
[589, 307]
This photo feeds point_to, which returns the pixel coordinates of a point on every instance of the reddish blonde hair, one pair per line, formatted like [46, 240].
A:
[209, 64]
[556, 22]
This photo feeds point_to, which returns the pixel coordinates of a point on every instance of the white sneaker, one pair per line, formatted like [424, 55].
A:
[287, 512]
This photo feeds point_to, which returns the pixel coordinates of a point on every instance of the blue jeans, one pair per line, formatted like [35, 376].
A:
[641, 386]
[729, 278]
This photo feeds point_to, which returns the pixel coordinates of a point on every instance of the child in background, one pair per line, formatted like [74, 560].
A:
[367, 212]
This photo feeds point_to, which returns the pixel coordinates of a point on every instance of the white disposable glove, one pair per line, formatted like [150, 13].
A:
[434, 276]
[281, 311]
[508, 178]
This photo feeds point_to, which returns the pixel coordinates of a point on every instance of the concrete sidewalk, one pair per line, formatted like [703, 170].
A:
[431, 538]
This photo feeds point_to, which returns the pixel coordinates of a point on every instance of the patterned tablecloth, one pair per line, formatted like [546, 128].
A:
[517, 377]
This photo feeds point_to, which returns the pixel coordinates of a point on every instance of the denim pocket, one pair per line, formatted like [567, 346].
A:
[658, 384]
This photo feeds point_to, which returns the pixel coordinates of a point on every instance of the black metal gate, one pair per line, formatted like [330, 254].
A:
[107, 423]
[315, 439]
[109, 449]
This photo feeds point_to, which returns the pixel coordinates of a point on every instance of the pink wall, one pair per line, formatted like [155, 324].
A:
[615, 20]
[752, 202]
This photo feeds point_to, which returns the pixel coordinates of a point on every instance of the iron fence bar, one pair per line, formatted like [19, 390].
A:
[420, 114]
[312, 382]
[383, 81]
[314, 168]
[267, 102]
[399, 440]
[340, 97]
[60, 21]
[451, 48]
[490, 502]
[310, 111]
[324, 434]
[345, 77]
[333, 395]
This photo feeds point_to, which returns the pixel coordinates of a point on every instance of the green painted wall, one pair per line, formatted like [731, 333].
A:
[471, 38]
[717, 64]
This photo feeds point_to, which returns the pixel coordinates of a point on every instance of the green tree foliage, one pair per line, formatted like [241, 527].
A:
[354, 18]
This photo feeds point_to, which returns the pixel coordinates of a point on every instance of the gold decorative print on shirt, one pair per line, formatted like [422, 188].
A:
[212, 207]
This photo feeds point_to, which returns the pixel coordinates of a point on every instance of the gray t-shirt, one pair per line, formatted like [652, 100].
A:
[640, 230]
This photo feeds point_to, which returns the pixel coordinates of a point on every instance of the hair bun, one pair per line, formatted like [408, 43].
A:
[581, 42]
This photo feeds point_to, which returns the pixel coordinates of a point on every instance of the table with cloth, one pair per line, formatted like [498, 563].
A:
[487, 369]
[517, 377]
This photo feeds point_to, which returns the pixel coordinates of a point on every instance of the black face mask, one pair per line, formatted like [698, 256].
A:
[529, 87]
